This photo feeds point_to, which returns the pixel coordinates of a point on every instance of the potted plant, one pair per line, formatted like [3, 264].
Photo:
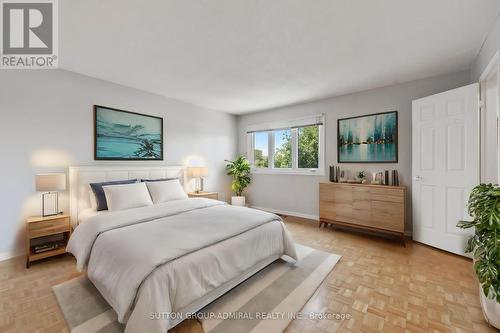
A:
[239, 169]
[362, 176]
[484, 207]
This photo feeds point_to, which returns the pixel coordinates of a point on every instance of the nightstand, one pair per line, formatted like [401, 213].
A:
[209, 195]
[46, 236]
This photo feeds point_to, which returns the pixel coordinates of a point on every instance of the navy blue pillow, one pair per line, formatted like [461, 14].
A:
[157, 180]
[100, 196]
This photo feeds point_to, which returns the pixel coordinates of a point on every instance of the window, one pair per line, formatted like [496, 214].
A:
[308, 147]
[292, 147]
[283, 149]
[260, 152]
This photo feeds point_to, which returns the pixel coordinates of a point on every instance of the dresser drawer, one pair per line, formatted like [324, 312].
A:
[361, 193]
[336, 211]
[387, 194]
[42, 228]
[361, 206]
[389, 216]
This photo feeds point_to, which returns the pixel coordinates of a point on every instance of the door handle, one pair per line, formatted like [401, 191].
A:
[418, 178]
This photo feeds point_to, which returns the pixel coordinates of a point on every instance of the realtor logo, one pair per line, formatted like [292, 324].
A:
[29, 34]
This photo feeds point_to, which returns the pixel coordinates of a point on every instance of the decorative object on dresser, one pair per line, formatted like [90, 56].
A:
[332, 175]
[395, 178]
[209, 195]
[378, 208]
[378, 179]
[50, 183]
[361, 175]
[125, 135]
[46, 236]
[368, 139]
[239, 169]
[198, 173]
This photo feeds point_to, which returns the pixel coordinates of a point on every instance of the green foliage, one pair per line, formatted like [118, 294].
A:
[308, 147]
[283, 154]
[361, 175]
[239, 169]
[260, 161]
[308, 150]
[484, 207]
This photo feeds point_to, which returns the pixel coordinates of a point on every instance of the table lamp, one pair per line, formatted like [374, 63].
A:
[198, 173]
[50, 183]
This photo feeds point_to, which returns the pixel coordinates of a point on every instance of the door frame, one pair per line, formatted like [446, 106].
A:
[492, 68]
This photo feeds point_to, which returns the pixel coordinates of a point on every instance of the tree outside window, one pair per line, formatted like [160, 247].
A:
[260, 155]
[283, 149]
[308, 147]
[293, 148]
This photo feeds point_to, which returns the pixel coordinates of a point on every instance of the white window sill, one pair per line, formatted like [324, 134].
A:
[305, 172]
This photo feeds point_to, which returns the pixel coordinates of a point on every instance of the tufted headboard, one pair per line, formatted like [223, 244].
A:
[80, 177]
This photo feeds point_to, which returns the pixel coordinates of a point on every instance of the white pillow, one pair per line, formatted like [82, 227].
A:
[120, 197]
[93, 202]
[166, 191]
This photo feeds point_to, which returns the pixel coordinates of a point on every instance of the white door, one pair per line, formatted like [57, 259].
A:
[445, 165]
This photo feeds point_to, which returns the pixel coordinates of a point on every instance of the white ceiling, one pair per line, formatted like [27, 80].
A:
[245, 55]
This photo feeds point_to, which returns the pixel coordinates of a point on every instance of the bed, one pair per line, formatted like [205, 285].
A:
[155, 265]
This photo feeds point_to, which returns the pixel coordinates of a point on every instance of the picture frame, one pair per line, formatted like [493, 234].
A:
[371, 138]
[121, 135]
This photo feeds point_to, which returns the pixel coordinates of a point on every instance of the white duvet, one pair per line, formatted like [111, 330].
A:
[165, 258]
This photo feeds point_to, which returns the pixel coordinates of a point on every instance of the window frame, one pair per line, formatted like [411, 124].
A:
[294, 170]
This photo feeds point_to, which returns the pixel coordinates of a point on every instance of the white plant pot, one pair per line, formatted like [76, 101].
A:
[238, 201]
[491, 310]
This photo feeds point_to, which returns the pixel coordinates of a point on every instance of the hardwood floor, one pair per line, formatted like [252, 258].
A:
[381, 285]
[388, 288]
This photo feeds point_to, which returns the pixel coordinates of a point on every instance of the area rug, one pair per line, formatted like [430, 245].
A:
[266, 302]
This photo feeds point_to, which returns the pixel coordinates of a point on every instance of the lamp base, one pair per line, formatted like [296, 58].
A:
[50, 204]
[199, 185]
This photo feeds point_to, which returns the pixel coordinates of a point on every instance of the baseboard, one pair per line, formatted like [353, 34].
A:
[285, 212]
[10, 254]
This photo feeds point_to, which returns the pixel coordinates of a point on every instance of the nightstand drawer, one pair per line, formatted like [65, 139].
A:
[43, 228]
[214, 196]
[208, 195]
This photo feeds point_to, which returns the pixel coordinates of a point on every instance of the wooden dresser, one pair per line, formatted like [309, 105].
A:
[372, 207]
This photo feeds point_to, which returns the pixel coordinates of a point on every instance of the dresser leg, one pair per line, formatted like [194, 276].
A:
[403, 241]
[27, 263]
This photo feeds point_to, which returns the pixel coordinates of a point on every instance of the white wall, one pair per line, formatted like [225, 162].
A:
[47, 125]
[299, 194]
[488, 50]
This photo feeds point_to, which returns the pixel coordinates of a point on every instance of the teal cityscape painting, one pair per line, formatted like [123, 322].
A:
[125, 135]
[368, 139]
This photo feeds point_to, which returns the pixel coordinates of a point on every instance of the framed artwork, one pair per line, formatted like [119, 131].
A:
[125, 135]
[368, 139]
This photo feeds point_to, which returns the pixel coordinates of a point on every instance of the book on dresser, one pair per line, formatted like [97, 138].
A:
[378, 208]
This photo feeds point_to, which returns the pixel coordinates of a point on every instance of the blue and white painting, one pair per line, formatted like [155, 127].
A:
[368, 139]
[123, 135]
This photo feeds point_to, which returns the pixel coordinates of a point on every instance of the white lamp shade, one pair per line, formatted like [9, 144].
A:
[197, 172]
[51, 182]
